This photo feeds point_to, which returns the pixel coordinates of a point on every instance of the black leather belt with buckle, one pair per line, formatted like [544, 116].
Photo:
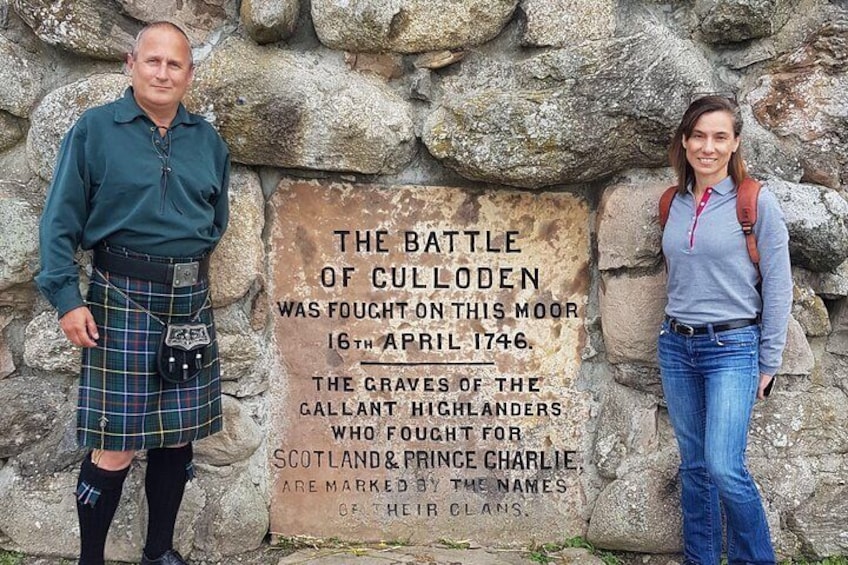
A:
[173, 274]
[687, 330]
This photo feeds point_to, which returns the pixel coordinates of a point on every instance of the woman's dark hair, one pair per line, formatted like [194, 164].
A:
[677, 153]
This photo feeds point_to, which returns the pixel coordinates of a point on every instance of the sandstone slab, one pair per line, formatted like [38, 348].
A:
[93, 28]
[289, 109]
[381, 333]
[409, 26]
[632, 309]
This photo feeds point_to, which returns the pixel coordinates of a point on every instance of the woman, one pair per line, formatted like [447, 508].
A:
[722, 339]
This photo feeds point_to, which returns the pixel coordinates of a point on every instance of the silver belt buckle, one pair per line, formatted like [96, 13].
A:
[185, 274]
[684, 329]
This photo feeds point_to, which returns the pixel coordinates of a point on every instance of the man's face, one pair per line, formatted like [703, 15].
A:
[160, 69]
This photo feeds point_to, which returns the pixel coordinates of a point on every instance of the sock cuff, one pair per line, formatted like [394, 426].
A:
[102, 479]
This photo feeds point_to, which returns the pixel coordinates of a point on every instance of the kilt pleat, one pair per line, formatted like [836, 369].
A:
[123, 402]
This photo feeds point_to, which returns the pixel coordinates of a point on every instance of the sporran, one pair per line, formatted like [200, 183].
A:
[182, 351]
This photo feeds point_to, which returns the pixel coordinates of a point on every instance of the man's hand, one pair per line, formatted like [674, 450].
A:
[79, 327]
[765, 380]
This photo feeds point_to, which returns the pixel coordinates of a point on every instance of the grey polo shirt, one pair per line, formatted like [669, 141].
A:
[711, 278]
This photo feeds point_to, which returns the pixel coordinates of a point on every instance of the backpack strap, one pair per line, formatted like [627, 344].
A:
[665, 204]
[746, 212]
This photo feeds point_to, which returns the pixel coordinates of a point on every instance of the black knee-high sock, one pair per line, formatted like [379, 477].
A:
[98, 494]
[168, 470]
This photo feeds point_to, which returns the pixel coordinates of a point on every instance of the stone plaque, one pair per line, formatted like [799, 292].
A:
[429, 344]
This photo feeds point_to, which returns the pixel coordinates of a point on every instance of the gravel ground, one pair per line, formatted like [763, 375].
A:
[343, 554]
[265, 555]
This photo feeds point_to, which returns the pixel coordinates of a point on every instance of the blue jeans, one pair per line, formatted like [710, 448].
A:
[710, 384]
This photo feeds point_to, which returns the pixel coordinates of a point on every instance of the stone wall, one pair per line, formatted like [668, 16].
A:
[547, 95]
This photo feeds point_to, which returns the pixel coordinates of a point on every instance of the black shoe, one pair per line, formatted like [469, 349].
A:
[170, 557]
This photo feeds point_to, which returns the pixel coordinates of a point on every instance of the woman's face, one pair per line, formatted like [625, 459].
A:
[709, 147]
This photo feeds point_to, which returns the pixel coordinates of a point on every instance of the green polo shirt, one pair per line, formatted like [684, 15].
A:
[118, 180]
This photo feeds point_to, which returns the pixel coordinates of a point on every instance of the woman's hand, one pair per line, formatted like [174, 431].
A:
[765, 380]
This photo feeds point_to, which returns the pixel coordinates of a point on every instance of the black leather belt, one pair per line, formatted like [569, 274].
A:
[687, 330]
[173, 274]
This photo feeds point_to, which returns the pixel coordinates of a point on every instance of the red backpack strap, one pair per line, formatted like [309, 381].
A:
[665, 204]
[746, 213]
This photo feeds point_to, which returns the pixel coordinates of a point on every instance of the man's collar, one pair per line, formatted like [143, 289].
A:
[127, 110]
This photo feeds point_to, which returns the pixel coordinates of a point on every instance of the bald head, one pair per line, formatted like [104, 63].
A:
[161, 25]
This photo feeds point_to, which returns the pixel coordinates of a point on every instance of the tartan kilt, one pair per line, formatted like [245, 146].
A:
[119, 385]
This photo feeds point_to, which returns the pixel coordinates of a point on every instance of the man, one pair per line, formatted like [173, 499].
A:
[143, 183]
